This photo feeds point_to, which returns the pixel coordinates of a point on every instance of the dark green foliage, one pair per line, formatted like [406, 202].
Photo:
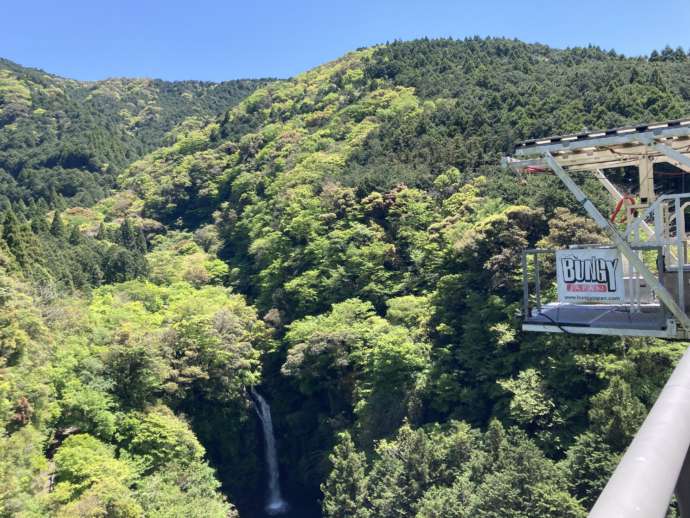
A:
[616, 414]
[101, 232]
[127, 235]
[589, 464]
[64, 138]
[455, 471]
[57, 227]
[490, 93]
[75, 236]
[52, 255]
[140, 243]
[122, 264]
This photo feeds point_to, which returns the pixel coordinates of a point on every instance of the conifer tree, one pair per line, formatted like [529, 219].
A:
[12, 234]
[345, 489]
[56, 200]
[75, 236]
[127, 236]
[21, 209]
[101, 235]
[39, 225]
[57, 227]
[141, 244]
[42, 205]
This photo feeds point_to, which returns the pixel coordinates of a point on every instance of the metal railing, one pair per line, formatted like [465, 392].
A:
[634, 295]
[526, 254]
[656, 464]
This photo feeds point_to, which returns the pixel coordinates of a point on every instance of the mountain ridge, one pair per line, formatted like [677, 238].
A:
[81, 133]
[346, 241]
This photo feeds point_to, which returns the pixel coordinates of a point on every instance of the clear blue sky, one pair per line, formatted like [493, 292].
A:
[228, 39]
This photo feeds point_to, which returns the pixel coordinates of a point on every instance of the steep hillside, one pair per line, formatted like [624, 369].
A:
[66, 137]
[370, 187]
[281, 171]
[346, 242]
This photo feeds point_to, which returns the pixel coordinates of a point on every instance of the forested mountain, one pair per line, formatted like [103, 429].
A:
[346, 242]
[70, 138]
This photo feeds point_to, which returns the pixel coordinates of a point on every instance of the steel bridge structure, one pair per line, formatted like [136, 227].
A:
[652, 247]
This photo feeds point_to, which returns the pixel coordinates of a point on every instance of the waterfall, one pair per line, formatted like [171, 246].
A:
[274, 501]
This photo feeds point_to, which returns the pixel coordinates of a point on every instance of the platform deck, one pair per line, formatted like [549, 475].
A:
[651, 317]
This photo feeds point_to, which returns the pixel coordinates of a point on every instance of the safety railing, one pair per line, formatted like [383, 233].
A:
[656, 464]
[538, 277]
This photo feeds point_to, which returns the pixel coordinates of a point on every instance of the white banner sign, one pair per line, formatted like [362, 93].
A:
[590, 275]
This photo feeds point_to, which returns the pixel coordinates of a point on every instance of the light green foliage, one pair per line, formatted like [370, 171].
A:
[87, 406]
[200, 339]
[119, 205]
[411, 311]
[363, 362]
[82, 461]
[20, 324]
[158, 438]
[23, 471]
[15, 97]
[530, 404]
[176, 257]
[94, 369]
[25, 346]
[190, 491]
[106, 497]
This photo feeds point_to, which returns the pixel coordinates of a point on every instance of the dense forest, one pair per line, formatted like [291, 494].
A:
[346, 243]
[60, 137]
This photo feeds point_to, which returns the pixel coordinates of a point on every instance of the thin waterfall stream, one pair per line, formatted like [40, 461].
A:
[275, 504]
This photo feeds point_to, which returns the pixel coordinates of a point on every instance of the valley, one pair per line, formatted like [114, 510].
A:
[341, 248]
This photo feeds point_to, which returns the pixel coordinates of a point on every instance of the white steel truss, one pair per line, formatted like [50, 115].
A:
[652, 222]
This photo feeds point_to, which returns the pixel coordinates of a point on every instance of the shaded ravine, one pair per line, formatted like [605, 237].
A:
[275, 503]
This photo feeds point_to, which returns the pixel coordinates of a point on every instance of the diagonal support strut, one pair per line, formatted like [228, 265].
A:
[682, 160]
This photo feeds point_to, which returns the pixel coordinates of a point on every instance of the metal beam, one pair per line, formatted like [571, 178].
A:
[670, 332]
[617, 196]
[645, 171]
[612, 190]
[605, 158]
[622, 245]
[642, 484]
[673, 154]
[617, 140]
[597, 134]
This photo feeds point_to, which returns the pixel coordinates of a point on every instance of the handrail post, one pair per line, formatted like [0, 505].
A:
[537, 278]
[525, 287]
